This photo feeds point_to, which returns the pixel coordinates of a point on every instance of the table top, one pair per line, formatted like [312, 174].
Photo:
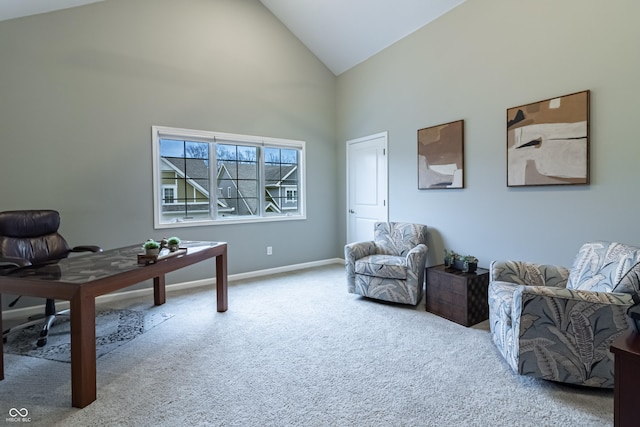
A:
[92, 266]
[627, 343]
[479, 271]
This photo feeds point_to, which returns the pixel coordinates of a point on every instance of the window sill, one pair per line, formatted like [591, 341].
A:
[230, 221]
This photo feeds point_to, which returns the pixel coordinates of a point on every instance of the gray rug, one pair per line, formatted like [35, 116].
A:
[113, 329]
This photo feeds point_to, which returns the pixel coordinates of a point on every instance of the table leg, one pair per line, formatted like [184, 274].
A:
[83, 351]
[159, 290]
[1, 344]
[221, 281]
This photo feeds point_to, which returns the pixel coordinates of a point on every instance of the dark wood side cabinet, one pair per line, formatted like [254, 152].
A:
[626, 350]
[457, 296]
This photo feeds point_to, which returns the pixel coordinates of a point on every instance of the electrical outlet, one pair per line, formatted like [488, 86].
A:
[269, 250]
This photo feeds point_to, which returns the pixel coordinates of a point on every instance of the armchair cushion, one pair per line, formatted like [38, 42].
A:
[393, 267]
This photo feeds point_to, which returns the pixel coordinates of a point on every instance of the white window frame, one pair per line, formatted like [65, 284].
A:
[163, 132]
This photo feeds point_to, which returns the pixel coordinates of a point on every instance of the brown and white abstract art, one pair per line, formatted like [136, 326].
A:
[548, 142]
[441, 156]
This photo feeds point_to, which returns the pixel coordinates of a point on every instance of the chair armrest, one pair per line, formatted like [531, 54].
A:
[529, 273]
[14, 262]
[87, 248]
[416, 262]
[417, 255]
[357, 250]
[352, 253]
[528, 293]
[566, 333]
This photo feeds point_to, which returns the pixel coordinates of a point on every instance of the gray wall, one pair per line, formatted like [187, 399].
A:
[80, 89]
[475, 62]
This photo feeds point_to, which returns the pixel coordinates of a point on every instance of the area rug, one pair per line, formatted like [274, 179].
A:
[113, 329]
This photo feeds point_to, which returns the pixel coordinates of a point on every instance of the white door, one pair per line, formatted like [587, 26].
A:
[366, 185]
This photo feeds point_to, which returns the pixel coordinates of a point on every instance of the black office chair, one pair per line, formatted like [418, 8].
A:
[28, 238]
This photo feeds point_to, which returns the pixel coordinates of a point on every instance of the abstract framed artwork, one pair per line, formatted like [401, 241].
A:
[548, 142]
[441, 156]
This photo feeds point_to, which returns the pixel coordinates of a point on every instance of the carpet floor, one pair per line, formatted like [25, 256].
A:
[296, 349]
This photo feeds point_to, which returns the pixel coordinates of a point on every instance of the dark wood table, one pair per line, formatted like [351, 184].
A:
[81, 279]
[626, 349]
[457, 296]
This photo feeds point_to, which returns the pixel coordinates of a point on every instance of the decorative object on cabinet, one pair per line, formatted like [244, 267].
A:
[464, 263]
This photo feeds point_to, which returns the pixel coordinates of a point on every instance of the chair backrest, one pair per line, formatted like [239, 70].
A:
[32, 235]
[398, 238]
[606, 267]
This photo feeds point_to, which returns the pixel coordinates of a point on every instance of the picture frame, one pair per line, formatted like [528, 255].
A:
[548, 142]
[441, 156]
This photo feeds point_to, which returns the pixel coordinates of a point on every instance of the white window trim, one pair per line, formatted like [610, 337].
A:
[163, 132]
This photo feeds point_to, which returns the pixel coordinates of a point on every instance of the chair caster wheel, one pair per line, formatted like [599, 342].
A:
[42, 342]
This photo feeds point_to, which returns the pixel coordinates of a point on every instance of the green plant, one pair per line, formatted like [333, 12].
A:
[173, 241]
[470, 259]
[151, 244]
[450, 257]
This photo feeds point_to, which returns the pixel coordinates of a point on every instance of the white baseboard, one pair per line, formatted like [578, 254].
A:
[21, 313]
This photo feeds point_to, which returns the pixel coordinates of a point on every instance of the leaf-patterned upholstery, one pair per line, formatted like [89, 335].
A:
[391, 267]
[558, 324]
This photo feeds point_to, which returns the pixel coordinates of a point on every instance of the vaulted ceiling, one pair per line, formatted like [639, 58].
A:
[344, 33]
[341, 33]
[10, 9]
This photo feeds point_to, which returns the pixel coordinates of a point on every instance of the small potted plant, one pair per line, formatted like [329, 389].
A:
[151, 247]
[464, 263]
[458, 262]
[469, 264]
[173, 243]
[449, 258]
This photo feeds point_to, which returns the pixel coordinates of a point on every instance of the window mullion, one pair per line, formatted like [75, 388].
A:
[213, 181]
[262, 182]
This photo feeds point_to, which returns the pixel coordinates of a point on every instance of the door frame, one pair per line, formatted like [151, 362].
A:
[385, 135]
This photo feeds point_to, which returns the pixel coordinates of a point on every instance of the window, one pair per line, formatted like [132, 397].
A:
[168, 194]
[203, 178]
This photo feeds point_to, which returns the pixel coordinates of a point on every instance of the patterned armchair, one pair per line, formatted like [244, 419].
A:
[558, 324]
[391, 267]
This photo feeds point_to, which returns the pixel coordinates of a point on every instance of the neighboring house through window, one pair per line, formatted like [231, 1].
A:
[255, 178]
